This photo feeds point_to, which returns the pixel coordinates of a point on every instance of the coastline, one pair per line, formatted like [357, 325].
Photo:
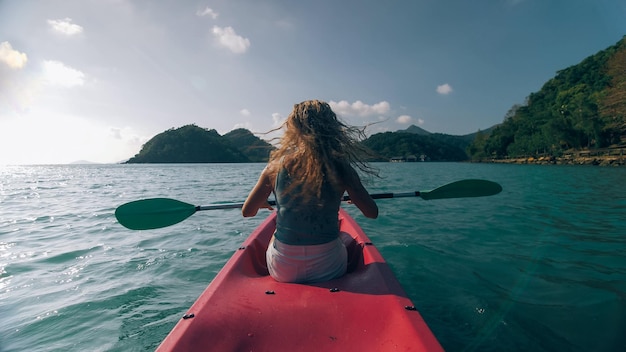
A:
[597, 160]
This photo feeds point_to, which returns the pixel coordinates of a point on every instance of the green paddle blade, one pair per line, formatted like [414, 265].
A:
[462, 189]
[153, 213]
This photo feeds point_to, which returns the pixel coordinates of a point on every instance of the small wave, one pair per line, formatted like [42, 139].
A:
[70, 256]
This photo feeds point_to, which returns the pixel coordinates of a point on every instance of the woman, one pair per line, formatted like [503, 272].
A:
[309, 173]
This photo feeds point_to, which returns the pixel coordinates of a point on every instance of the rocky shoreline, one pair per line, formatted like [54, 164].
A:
[611, 160]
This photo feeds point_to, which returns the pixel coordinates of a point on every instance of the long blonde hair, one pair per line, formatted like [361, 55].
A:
[320, 147]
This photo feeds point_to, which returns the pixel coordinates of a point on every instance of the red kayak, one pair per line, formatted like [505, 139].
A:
[244, 309]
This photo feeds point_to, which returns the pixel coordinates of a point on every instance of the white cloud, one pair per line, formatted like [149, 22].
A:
[244, 112]
[17, 86]
[56, 73]
[65, 26]
[228, 38]
[277, 119]
[404, 119]
[12, 58]
[115, 132]
[358, 108]
[444, 89]
[207, 12]
[128, 136]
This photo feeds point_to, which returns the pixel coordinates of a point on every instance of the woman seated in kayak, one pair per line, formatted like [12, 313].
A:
[309, 173]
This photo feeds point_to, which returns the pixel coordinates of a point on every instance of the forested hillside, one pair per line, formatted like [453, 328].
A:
[416, 144]
[254, 148]
[582, 107]
[193, 144]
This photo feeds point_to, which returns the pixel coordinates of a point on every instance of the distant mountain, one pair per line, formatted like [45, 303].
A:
[416, 130]
[468, 137]
[404, 146]
[417, 144]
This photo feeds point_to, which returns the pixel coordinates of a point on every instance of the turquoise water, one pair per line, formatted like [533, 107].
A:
[539, 267]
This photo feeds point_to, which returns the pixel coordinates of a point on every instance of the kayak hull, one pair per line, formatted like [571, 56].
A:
[244, 309]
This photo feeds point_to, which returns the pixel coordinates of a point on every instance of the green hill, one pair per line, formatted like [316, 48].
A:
[417, 144]
[193, 144]
[582, 108]
[254, 148]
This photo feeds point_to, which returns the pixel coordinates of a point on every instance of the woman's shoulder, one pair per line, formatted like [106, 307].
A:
[272, 168]
[344, 169]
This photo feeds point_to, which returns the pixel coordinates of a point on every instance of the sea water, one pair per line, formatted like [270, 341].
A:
[540, 266]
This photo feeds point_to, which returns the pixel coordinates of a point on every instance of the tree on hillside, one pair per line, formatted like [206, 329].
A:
[401, 144]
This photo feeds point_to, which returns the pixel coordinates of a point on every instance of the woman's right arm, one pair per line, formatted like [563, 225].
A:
[257, 198]
[359, 195]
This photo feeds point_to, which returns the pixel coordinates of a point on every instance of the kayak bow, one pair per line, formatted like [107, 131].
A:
[244, 309]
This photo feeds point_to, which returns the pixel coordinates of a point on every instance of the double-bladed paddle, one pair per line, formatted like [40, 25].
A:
[156, 213]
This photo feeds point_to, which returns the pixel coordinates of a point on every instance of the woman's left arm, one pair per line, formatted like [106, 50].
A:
[257, 198]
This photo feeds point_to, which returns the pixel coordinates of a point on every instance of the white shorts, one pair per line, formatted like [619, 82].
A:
[300, 264]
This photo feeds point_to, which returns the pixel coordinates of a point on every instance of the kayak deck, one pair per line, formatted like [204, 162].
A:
[244, 309]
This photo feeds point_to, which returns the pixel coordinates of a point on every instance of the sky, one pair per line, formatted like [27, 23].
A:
[94, 80]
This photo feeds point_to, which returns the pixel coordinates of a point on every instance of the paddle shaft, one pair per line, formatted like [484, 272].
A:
[161, 212]
[344, 199]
